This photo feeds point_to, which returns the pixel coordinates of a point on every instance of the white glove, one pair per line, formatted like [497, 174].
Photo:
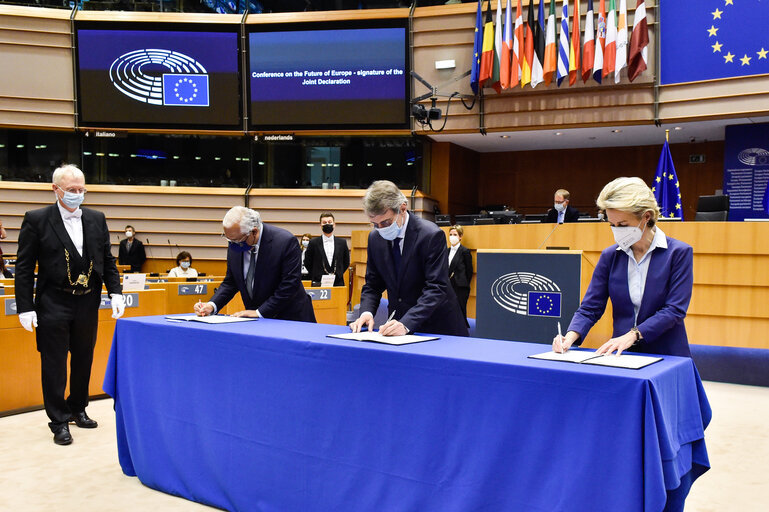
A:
[118, 305]
[28, 319]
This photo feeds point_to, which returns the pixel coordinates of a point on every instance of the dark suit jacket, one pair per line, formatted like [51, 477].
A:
[42, 241]
[278, 290]
[135, 257]
[666, 298]
[571, 215]
[315, 255]
[461, 268]
[420, 293]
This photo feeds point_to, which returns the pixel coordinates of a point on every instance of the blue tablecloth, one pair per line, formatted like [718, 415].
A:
[273, 416]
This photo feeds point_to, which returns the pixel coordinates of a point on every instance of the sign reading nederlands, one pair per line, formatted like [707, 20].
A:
[746, 170]
[521, 296]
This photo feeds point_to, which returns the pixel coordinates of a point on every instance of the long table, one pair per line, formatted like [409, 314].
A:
[274, 416]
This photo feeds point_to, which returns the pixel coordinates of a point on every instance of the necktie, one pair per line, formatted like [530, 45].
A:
[250, 275]
[396, 252]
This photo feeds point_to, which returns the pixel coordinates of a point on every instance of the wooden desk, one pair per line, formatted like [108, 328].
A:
[20, 388]
[329, 304]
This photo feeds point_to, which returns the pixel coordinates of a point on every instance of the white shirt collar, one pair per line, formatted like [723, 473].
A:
[328, 239]
[660, 240]
[402, 232]
[68, 215]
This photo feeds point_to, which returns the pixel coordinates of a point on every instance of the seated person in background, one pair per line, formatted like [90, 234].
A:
[303, 243]
[131, 251]
[327, 254]
[183, 266]
[561, 211]
[646, 274]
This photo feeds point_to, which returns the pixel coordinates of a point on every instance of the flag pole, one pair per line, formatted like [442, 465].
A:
[667, 136]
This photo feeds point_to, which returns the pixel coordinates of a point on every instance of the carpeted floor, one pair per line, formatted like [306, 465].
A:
[37, 475]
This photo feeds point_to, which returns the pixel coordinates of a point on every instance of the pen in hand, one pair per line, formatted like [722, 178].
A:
[392, 315]
[560, 337]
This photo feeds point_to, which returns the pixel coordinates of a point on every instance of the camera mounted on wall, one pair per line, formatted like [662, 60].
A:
[425, 116]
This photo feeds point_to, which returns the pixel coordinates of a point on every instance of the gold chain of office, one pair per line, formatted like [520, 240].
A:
[82, 279]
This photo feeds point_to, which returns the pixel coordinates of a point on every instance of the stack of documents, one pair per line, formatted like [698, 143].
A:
[212, 319]
[378, 338]
[633, 362]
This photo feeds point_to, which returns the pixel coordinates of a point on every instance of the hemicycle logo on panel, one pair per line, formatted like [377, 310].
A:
[161, 77]
[528, 294]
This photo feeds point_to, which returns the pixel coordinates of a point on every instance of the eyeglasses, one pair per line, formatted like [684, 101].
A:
[239, 241]
[385, 223]
[73, 190]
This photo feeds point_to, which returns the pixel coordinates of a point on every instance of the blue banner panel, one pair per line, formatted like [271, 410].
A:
[710, 39]
[522, 295]
[746, 170]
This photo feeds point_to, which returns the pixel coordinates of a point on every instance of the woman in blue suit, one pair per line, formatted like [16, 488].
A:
[647, 275]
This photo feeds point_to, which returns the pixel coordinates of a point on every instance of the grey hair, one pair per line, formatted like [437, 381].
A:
[64, 170]
[247, 218]
[630, 195]
[381, 196]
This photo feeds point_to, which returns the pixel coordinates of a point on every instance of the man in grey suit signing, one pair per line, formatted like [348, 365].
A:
[407, 256]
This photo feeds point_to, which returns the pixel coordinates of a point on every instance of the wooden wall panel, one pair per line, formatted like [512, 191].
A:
[526, 180]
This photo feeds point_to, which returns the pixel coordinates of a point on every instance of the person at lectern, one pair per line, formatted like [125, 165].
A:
[647, 275]
[263, 264]
[561, 211]
[407, 256]
[327, 254]
[131, 251]
[460, 267]
[71, 248]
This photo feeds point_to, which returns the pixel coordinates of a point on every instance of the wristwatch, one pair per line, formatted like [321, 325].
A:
[638, 336]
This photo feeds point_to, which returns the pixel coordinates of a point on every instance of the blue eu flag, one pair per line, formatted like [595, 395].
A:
[545, 304]
[185, 90]
[475, 69]
[666, 188]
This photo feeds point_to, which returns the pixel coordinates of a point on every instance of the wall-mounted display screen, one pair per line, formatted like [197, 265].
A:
[322, 76]
[164, 76]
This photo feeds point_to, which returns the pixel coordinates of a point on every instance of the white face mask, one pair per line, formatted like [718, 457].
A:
[305, 243]
[71, 199]
[184, 264]
[453, 240]
[392, 231]
[129, 234]
[559, 207]
[626, 236]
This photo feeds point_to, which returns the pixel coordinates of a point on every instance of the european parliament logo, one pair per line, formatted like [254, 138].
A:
[528, 294]
[141, 75]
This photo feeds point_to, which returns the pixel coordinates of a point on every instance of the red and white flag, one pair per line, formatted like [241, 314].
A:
[639, 41]
[588, 49]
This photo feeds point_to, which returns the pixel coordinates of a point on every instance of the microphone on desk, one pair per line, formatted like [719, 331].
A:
[170, 249]
[148, 245]
[548, 236]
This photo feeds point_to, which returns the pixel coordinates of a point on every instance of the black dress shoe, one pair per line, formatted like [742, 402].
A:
[62, 436]
[82, 420]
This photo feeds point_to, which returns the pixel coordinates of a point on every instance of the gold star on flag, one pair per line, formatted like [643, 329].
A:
[717, 14]
[659, 179]
[664, 174]
[677, 184]
[716, 47]
[678, 206]
[746, 60]
[728, 2]
[670, 177]
[728, 57]
[762, 54]
[671, 215]
[679, 196]
[712, 31]
[654, 189]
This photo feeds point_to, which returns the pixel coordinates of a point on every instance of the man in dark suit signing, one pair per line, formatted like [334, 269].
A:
[263, 265]
[71, 248]
[407, 256]
[327, 254]
[131, 251]
[562, 211]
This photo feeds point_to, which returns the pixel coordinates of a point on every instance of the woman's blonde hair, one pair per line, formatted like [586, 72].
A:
[459, 229]
[630, 195]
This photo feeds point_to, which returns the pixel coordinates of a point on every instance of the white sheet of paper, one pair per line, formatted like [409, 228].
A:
[378, 338]
[327, 280]
[631, 361]
[134, 282]
[570, 356]
[212, 319]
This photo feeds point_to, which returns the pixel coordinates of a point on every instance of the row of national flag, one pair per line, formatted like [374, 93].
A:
[513, 52]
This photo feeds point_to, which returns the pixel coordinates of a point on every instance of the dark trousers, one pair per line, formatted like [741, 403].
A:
[463, 294]
[67, 324]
